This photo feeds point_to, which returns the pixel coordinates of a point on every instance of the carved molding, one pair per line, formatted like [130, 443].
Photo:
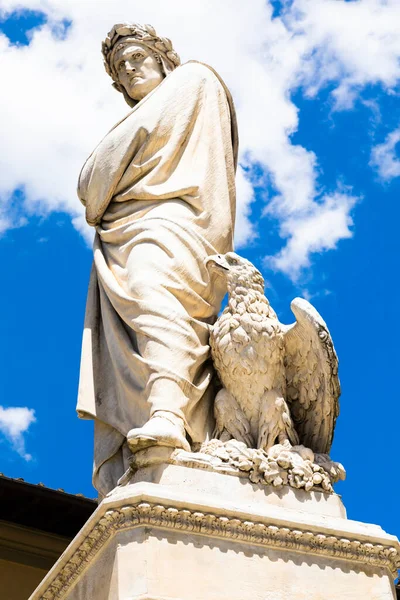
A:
[168, 517]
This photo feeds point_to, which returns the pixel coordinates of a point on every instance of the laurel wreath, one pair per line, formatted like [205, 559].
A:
[143, 33]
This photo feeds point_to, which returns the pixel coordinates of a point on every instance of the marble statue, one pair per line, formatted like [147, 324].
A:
[280, 383]
[212, 433]
[276, 412]
[159, 190]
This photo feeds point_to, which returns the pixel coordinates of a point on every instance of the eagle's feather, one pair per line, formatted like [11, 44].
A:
[313, 387]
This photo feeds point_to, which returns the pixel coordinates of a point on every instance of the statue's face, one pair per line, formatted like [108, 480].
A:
[138, 70]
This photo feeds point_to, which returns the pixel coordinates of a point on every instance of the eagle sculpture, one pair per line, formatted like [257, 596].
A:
[280, 382]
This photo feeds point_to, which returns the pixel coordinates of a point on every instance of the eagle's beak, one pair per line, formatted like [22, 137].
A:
[217, 261]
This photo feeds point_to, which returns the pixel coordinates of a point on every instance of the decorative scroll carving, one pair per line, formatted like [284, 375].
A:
[214, 525]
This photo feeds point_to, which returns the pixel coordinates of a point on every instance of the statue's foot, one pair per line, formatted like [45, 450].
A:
[162, 429]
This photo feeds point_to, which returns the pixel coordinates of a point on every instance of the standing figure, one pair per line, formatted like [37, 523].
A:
[160, 191]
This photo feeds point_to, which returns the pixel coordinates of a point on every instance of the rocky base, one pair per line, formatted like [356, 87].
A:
[282, 465]
[296, 466]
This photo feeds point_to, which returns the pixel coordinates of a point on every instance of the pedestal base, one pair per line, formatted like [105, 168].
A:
[177, 533]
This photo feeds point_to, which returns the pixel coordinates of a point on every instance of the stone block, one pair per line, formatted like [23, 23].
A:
[179, 533]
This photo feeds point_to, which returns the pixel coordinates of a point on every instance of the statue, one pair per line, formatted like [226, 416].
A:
[190, 407]
[280, 382]
[276, 412]
[160, 191]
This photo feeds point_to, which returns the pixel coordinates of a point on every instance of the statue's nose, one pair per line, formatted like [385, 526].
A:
[128, 67]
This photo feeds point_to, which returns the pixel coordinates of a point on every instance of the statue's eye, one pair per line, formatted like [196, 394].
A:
[233, 261]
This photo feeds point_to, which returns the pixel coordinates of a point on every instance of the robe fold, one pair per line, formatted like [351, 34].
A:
[160, 191]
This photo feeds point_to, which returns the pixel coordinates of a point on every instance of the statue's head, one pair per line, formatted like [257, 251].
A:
[137, 59]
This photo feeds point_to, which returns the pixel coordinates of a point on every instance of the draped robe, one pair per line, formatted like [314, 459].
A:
[160, 191]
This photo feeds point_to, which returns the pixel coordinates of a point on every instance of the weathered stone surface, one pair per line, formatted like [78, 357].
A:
[180, 533]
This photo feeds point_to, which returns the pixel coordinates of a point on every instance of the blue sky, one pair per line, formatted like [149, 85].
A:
[336, 116]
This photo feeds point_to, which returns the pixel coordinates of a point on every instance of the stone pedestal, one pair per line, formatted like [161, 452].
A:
[179, 533]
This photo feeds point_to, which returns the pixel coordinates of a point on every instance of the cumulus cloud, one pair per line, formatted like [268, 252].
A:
[349, 44]
[385, 158]
[58, 102]
[14, 423]
[314, 230]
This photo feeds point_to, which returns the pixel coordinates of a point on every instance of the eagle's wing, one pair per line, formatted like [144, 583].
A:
[313, 387]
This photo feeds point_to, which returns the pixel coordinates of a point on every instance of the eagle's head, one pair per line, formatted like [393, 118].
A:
[237, 271]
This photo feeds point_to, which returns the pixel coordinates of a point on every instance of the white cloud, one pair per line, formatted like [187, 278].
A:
[385, 158]
[315, 230]
[351, 44]
[14, 422]
[58, 101]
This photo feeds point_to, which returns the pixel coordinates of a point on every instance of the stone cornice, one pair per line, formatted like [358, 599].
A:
[213, 525]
